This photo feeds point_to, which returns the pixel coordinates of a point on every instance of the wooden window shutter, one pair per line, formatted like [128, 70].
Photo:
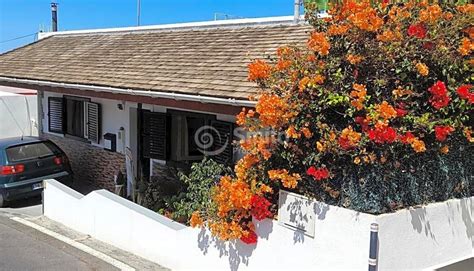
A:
[93, 122]
[154, 135]
[223, 143]
[56, 115]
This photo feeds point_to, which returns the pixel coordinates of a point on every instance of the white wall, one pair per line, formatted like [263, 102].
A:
[426, 236]
[341, 240]
[408, 240]
[114, 118]
[18, 115]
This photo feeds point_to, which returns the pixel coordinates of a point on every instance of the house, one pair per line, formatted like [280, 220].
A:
[145, 91]
[18, 112]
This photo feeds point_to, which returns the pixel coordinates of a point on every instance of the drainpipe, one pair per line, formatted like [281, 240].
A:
[54, 16]
[297, 11]
[374, 241]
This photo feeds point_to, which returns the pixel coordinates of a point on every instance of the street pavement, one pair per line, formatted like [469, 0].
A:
[24, 248]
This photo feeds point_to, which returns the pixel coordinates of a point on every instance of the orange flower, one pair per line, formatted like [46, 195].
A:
[366, 19]
[358, 95]
[291, 132]
[468, 8]
[319, 43]
[431, 14]
[266, 189]
[349, 138]
[196, 220]
[354, 59]
[306, 132]
[386, 111]
[283, 64]
[258, 145]
[468, 134]
[389, 36]
[400, 92]
[244, 164]
[288, 181]
[444, 150]
[273, 111]
[418, 145]
[466, 47]
[422, 69]
[335, 30]
[231, 195]
[258, 70]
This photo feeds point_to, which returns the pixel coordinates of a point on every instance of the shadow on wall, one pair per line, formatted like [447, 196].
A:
[420, 223]
[236, 251]
[467, 213]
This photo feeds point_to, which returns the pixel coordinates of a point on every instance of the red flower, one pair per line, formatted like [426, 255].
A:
[439, 98]
[363, 122]
[319, 174]
[407, 138]
[344, 143]
[383, 134]
[438, 89]
[464, 92]
[259, 208]
[441, 132]
[428, 45]
[401, 112]
[417, 30]
[250, 238]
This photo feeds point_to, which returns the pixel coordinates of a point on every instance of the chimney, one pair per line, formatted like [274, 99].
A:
[297, 11]
[54, 16]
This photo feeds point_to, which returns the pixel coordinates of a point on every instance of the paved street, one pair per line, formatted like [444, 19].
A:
[24, 248]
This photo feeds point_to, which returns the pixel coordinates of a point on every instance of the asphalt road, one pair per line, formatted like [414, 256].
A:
[24, 248]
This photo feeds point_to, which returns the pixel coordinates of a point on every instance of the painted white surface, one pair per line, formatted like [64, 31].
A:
[426, 236]
[113, 118]
[128, 226]
[176, 26]
[341, 239]
[18, 115]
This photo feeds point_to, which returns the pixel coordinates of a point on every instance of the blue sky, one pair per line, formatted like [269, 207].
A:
[23, 17]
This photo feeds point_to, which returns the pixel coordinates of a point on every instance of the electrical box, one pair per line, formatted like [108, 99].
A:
[110, 142]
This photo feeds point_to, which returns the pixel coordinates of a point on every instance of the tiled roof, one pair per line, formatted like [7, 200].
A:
[209, 62]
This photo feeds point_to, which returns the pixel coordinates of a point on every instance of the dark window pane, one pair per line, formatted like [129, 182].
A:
[193, 124]
[75, 117]
[30, 151]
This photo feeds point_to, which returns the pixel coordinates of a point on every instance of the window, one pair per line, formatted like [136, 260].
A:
[183, 144]
[74, 116]
[172, 136]
[29, 151]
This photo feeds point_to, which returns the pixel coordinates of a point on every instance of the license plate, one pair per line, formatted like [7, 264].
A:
[37, 186]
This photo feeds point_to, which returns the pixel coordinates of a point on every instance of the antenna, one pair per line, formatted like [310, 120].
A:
[138, 12]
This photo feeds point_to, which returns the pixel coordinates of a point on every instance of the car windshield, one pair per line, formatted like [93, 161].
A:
[29, 151]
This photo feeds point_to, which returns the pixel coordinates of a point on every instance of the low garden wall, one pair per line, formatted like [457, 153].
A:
[408, 239]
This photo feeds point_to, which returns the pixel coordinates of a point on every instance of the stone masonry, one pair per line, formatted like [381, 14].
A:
[92, 166]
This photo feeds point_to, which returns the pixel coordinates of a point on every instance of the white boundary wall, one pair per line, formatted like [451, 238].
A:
[18, 115]
[409, 239]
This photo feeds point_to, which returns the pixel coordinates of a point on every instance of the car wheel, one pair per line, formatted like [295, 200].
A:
[2, 202]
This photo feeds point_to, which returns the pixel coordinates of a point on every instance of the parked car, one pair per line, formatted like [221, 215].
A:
[25, 162]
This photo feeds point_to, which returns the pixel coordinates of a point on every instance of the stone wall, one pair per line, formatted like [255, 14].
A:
[93, 167]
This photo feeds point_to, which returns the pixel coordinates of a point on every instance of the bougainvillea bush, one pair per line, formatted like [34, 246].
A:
[376, 112]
